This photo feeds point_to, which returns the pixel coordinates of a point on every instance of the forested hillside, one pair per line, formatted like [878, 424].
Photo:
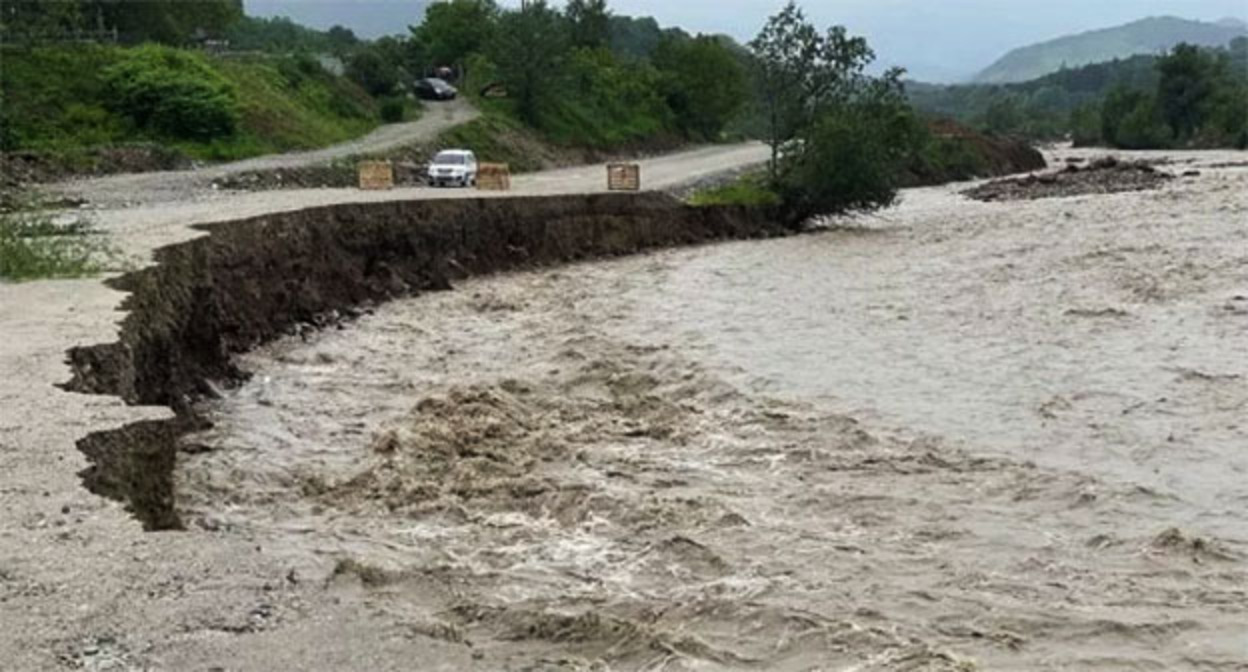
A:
[221, 85]
[1150, 36]
[1189, 97]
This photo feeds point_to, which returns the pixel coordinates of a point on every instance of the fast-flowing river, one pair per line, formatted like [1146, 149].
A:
[1012, 435]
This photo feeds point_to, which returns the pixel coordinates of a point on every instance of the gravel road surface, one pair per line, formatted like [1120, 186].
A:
[181, 185]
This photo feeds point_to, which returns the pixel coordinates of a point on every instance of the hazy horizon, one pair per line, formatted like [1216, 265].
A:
[938, 42]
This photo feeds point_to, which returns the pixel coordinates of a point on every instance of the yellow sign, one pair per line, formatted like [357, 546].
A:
[494, 177]
[376, 175]
[623, 177]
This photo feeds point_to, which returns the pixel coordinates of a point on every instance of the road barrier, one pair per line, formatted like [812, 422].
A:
[376, 175]
[494, 177]
[623, 177]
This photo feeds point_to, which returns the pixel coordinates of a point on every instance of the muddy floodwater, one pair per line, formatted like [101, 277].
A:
[952, 436]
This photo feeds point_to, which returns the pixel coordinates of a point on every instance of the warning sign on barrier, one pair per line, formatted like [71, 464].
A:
[376, 175]
[494, 177]
[623, 177]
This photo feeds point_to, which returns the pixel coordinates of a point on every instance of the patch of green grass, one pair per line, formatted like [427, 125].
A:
[497, 138]
[748, 190]
[34, 245]
[55, 101]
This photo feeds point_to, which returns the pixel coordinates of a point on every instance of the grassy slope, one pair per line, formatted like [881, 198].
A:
[55, 102]
[497, 137]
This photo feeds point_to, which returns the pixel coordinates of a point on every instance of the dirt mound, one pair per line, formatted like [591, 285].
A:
[1106, 175]
[984, 156]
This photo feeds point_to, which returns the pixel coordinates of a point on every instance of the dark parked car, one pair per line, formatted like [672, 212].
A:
[435, 89]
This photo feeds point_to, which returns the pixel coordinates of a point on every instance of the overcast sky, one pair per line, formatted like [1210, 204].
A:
[938, 40]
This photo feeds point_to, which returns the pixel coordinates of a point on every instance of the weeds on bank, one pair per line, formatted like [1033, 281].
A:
[748, 190]
[34, 245]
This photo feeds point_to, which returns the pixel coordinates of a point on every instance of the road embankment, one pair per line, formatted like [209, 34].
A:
[255, 280]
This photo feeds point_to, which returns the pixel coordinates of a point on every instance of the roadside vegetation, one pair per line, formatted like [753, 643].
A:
[553, 83]
[747, 190]
[65, 101]
[582, 77]
[35, 245]
[1192, 97]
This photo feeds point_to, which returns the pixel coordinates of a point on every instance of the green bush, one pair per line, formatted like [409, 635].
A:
[1132, 120]
[940, 159]
[372, 72]
[172, 93]
[1085, 125]
[851, 159]
[1143, 128]
[392, 110]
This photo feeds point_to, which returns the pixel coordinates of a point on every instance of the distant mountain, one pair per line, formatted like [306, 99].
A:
[1148, 36]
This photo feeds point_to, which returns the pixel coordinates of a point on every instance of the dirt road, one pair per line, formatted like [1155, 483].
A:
[149, 225]
[184, 185]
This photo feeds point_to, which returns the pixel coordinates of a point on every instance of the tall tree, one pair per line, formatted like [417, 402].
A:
[453, 30]
[1188, 78]
[801, 72]
[590, 22]
[839, 137]
[529, 50]
[341, 40]
[34, 21]
[172, 22]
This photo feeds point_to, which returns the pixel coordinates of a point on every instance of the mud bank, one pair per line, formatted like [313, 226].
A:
[251, 281]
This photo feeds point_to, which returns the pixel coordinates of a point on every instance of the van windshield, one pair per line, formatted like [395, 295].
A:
[450, 160]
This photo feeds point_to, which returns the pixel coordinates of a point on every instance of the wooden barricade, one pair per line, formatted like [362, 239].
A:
[494, 177]
[376, 175]
[623, 177]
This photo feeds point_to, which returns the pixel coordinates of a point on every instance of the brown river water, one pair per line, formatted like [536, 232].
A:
[952, 436]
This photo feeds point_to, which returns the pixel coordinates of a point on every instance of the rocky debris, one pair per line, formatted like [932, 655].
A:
[1107, 175]
[338, 175]
[1198, 549]
[24, 168]
[1237, 305]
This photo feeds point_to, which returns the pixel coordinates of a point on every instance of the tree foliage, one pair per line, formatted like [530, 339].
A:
[1188, 80]
[172, 93]
[453, 30]
[1192, 96]
[703, 82]
[373, 72]
[173, 22]
[839, 138]
[801, 73]
[530, 50]
[589, 23]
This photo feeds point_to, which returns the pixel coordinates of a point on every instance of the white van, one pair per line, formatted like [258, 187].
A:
[453, 167]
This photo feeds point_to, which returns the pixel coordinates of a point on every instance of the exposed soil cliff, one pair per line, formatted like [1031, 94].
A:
[254, 280]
